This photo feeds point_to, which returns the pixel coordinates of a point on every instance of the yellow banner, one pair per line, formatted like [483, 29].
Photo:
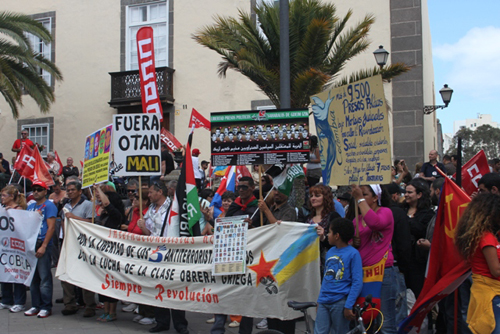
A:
[353, 132]
[97, 151]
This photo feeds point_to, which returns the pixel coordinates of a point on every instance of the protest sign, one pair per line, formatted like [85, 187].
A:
[230, 245]
[136, 144]
[353, 132]
[18, 235]
[97, 153]
[176, 272]
[259, 137]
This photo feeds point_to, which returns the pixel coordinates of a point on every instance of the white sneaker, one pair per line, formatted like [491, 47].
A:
[235, 324]
[31, 312]
[129, 308]
[44, 314]
[147, 321]
[211, 320]
[4, 306]
[137, 318]
[136, 311]
[17, 308]
[262, 324]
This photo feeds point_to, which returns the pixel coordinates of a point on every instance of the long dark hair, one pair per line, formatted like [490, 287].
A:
[421, 187]
[314, 142]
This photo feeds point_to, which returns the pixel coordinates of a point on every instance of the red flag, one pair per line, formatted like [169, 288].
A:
[242, 171]
[59, 162]
[149, 89]
[169, 139]
[24, 157]
[446, 268]
[198, 120]
[473, 171]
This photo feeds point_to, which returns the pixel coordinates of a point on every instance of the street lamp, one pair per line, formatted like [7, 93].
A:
[381, 56]
[446, 93]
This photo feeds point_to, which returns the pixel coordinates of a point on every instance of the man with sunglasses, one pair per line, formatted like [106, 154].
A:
[80, 209]
[245, 204]
[24, 140]
[41, 285]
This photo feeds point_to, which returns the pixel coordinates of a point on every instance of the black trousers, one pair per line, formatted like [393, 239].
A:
[162, 316]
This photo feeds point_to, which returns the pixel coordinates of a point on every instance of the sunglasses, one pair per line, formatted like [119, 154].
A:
[38, 190]
[242, 187]
[131, 190]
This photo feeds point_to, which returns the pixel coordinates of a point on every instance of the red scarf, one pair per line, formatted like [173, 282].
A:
[244, 205]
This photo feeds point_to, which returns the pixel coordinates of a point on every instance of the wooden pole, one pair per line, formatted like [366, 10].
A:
[93, 205]
[139, 193]
[260, 195]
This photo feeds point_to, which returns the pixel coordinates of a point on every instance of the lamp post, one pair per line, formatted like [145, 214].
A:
[446, 93]
[381, 56]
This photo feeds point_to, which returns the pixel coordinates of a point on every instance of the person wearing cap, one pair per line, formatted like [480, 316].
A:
[41, 286]
[344, 199]
[196, 168]
[401, 247]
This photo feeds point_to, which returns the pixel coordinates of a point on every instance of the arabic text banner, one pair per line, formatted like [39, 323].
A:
[18, 235]
[259, 137]
[282, 264]
[353, 133]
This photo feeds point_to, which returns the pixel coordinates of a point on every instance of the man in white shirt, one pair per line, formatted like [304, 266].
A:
[154, 220]
[196, 167]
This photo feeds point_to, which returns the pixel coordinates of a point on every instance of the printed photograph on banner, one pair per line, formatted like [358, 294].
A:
[136, 144]
[177, 272]
[17, 249]
[230, 244]
[259, 137]
[353, 133]
[97, 156]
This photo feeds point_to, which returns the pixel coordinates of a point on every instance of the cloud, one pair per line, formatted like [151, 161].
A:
[474, 62]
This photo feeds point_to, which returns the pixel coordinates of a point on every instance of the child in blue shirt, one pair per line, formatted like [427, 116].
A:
[342, 281]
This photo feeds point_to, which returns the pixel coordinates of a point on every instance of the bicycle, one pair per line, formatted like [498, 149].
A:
[303, 306]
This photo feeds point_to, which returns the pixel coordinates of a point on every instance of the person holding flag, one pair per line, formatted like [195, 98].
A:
[477, 242]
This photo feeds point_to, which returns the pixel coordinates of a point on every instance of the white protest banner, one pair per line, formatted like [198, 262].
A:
[18, 233]
[136, 142]
[282, 264]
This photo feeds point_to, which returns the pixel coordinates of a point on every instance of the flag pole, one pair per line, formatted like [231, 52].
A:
[139, 192]
[459, 183]
[260, 195]
[93, 204]
[267, 195]
[12, 176]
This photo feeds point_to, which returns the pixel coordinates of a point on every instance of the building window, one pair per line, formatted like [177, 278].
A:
[44, 49]
[154, 15]
[39, 133]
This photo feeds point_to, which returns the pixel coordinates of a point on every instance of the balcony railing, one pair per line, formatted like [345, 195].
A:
[126, 87]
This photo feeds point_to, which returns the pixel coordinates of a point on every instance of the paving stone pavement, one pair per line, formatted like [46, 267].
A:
[18, 323]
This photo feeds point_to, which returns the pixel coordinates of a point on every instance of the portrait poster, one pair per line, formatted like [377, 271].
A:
[97, 154]
[136, 144]
[230, 241]
[353, 133]
[259, 137]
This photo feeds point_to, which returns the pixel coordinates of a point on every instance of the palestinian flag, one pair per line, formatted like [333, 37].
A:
[184, 213]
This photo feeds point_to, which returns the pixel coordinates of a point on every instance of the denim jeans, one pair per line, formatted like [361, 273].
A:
[13, 294]
[330, 318]
[401, 302]
[41, 285]
[388, 296]
[246, 325]
[496, 311]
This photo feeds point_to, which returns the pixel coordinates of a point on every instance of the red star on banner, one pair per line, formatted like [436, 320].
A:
[263, 268]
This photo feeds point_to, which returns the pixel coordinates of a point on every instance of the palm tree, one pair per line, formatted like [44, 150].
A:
[20, 64]
[320, 46]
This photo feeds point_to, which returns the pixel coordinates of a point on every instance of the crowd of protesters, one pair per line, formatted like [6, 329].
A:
[394, 224]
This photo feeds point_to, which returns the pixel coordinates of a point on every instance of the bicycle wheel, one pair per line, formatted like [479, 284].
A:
[270, 331]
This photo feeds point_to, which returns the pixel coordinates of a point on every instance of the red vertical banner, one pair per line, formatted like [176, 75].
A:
[149, 89]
